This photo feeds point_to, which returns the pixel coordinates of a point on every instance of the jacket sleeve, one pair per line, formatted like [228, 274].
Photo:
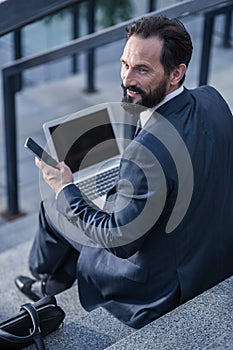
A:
[138, 203]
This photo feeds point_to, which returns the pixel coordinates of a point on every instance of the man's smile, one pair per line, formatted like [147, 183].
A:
[132, 93]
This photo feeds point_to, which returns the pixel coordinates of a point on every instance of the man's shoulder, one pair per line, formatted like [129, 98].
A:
[210, 97]
[204, 91]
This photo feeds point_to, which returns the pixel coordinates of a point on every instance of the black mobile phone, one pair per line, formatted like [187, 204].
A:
[39, 152]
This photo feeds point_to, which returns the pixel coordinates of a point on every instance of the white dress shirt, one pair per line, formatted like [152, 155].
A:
[144, 116]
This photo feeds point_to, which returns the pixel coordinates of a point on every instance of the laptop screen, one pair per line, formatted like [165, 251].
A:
[85, 141]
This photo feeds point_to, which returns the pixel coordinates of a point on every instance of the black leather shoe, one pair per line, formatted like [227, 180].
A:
[33, 289]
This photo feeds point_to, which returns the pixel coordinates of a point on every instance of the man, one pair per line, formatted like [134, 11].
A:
[169, 235]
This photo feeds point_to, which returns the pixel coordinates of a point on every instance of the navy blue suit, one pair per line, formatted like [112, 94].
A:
[142, 270]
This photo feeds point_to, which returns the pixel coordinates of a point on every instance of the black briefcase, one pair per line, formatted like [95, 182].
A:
[31, 324]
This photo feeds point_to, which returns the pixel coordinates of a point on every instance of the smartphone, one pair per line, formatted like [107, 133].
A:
[39, 152]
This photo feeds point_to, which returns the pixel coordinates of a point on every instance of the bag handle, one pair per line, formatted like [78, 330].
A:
[35, 333]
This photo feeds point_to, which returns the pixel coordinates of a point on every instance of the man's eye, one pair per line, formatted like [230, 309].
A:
[142, 70]
[125, 65]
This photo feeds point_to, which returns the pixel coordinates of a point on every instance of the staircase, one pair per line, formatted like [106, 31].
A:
[202, 323]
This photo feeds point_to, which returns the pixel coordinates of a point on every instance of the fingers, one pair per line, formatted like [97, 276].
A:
[55, 177]
[48, 171]
[40, 164]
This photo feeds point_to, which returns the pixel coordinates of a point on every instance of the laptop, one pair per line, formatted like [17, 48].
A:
[88, 142]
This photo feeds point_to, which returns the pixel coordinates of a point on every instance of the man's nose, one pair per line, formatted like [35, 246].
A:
[129, 78]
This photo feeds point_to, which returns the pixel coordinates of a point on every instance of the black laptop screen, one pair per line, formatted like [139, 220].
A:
[85, 141]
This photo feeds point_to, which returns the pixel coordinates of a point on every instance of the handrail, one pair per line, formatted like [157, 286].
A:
[85, 43]
[23, 13]
[108, 35]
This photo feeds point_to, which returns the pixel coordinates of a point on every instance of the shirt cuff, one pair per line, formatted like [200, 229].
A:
[62, 188]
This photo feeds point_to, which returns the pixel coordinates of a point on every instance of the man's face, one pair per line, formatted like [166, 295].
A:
[143, 79]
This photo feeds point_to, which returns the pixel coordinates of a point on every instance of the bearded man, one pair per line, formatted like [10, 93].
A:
[168, 235]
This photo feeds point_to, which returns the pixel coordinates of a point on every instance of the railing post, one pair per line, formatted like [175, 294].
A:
[152, 5]
[75, 34]
[17, 39]
[206, 47]
[227, 30]
[91, 52]
[9, 88]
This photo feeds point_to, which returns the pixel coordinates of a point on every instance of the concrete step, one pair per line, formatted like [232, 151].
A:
[81, 330]
[95, 331]
[16, 232]
[204, 323]
[16, 239]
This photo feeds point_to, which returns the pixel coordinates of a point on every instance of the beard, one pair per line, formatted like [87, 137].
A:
[147, 100]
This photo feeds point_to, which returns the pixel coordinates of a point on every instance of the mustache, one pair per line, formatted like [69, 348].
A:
[133, 88]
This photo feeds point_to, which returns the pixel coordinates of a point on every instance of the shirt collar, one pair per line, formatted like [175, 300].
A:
[144, 116]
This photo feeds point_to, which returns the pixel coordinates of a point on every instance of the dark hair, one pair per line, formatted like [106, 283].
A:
[177, 44]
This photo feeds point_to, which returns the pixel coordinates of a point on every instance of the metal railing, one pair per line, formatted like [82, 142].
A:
[15, 14]
[208, 36]
[25, 12]
[82, 44]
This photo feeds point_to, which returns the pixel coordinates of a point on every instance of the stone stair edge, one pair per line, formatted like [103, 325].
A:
[204, 322]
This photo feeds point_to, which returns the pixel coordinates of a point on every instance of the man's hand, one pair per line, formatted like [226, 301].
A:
[55, 178]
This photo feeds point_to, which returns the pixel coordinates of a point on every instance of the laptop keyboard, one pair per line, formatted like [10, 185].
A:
[98, 185]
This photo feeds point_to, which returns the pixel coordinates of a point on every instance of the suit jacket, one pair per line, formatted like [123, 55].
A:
[176, 177]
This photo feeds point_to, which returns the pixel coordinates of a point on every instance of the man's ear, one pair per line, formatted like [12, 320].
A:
[177, 74]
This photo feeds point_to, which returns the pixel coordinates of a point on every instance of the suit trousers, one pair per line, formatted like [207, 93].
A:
[51, 255]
